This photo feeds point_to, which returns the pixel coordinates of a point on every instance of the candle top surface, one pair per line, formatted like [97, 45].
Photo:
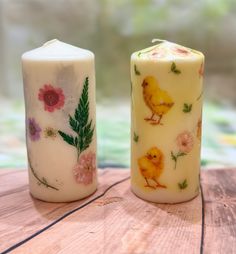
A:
[56, 50]
[167, 51]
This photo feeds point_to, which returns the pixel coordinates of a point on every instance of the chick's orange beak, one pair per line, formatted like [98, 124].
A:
[144, 83]
[149, 156]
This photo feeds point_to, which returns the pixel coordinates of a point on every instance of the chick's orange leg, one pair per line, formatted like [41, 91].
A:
[150, 118]
[148, 185]
[158, 122]
[158, 184]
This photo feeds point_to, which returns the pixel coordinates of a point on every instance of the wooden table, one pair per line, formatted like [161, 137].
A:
[115, 221]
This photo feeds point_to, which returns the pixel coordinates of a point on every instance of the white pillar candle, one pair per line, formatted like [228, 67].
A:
[166, 122]
[59, 88]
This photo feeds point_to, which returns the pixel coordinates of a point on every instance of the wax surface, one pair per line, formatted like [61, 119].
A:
[166, 122]
[57, 50]
[59, 88]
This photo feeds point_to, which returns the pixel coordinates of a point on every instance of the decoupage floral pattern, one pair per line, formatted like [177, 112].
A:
[52, 98]
[160, 102]
[151, 167]
[166, 50]
[185, 144]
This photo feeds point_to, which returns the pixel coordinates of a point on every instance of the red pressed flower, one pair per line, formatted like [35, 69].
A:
[52, 97]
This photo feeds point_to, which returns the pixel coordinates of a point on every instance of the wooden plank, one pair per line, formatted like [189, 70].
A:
[119, 222]
[22, 216]
[219, 192]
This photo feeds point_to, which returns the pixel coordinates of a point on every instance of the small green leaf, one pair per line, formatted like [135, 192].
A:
[187, 108]
[137, 72]
[180, 154]
[173, 157]
[139, 54]
[68, 138]
[136, 137]
[183, 185]
[174, 69]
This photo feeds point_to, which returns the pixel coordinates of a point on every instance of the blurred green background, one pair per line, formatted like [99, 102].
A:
[113, 30]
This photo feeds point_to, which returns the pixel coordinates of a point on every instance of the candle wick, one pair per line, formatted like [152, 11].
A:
[50, 42]
[158, 40]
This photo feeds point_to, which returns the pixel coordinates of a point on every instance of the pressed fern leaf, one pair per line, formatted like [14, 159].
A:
[74, 124]
[80, 124]
[68, 138]
[82, 111]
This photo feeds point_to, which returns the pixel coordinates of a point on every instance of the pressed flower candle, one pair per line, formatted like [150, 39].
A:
[59, 88]
[166, 93]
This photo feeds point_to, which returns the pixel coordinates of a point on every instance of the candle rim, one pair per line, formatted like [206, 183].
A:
[195, 54]
[56, 50]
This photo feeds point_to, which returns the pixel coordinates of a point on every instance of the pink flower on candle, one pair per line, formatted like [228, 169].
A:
[181, 51]
[85, 169]
[201, 70]
[33, 129]
[52, 97]
[158, 53]
[185, 142]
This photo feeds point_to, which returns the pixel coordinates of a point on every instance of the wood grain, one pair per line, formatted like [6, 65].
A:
[21, 215]
[118, 222]
[219, 190]
[122, 223]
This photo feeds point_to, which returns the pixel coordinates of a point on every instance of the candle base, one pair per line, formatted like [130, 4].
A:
[165, 198]
[65, 199]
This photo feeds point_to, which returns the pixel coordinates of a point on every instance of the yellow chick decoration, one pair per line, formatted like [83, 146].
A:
[156, 99]
[151, 167]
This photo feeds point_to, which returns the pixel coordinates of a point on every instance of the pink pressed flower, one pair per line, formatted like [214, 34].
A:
[85, 170]
[185, 142]
[33, 129]
[53, 98]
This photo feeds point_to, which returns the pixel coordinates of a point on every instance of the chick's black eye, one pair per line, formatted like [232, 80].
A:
[154, 156]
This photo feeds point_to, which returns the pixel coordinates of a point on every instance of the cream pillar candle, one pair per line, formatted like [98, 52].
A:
[59, 88]
[166, 122]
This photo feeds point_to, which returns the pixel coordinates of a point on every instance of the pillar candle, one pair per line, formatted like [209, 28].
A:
[166, 121]
[59, 89]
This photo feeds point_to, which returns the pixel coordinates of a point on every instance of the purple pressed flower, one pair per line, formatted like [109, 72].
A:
[33, 129]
